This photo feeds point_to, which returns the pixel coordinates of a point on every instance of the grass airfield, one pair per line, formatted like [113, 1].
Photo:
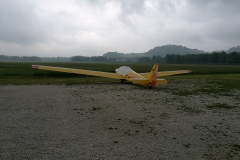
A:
[58, 115]
[22, 73]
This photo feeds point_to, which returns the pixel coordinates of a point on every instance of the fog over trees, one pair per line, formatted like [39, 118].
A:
[162, 54]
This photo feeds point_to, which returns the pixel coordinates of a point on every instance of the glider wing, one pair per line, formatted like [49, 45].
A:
[79, 71]
[166, 73]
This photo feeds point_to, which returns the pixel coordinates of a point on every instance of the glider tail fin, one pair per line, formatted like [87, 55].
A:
[152, 78]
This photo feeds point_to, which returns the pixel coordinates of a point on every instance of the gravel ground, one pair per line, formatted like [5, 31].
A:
[118, 121]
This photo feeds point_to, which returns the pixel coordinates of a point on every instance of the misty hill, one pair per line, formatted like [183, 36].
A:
[157, 51]
[122, 57]
[116, 55]
[171, 49]
[55, 59]
[234, 49]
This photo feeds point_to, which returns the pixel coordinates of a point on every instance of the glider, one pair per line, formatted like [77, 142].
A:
[123, 73]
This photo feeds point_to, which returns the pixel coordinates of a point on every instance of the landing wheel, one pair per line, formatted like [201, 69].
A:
[122, 80]
[150, 86]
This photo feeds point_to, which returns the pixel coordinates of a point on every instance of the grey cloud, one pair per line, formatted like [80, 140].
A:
[220, 19]
[93, 27]
[19, 23]
[204, 10]
[132, 6]
[128, 7]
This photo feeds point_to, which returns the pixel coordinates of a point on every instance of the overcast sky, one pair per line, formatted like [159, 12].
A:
[50, 28]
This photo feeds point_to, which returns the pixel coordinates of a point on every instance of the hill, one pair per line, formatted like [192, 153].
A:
[234, 49]
[171, 49]
[122, 57]
[157, 51]
[117, 55]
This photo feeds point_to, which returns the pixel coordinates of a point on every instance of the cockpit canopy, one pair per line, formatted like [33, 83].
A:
[123, 70]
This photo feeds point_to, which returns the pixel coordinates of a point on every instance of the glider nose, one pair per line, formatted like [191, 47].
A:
[35, 66]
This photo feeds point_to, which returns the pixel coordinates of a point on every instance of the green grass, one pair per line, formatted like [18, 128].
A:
[22, 73]
[227, 76]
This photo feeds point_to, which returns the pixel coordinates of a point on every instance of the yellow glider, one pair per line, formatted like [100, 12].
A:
[123, 73]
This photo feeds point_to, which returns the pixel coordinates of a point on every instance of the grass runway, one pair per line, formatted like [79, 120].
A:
[22, 73]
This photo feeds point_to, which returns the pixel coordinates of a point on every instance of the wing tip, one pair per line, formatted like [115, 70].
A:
[35, 66]
[189, 71]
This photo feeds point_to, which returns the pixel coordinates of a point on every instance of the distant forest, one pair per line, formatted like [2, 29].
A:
[33, 59]
[205, 58]
[19, 58]
[213, 58]
[89, 59]
[201, 58]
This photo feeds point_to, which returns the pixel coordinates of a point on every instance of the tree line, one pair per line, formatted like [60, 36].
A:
[201, 58]
[205, 58]
[19, 58]
[213, 58]
[158, 59]
[89, 59]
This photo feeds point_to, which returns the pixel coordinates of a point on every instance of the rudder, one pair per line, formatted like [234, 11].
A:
[152, 78]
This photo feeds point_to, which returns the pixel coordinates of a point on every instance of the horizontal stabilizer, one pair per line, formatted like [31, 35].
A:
[144, 81]
[161, 81]
[166, 73]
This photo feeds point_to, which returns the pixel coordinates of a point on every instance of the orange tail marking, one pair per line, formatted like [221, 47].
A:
[154, 77]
